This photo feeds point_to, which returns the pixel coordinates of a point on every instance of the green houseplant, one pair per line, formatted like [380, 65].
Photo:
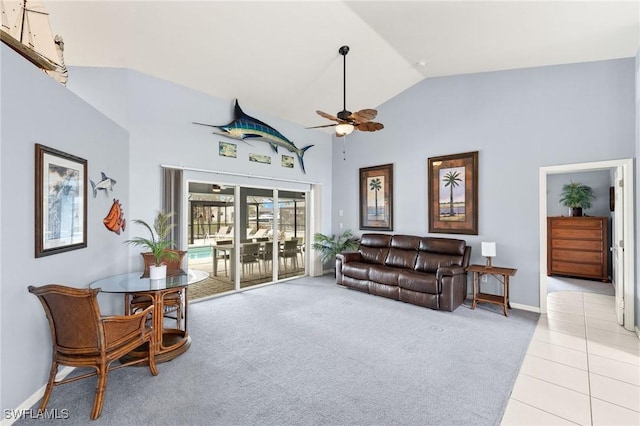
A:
[332, 245]
[158, 244]
[576, 196]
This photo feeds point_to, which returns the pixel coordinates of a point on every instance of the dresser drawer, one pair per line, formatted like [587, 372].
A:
[591, 245]
[577, 234]
[577, 269]
[578, 256]
[578, 222]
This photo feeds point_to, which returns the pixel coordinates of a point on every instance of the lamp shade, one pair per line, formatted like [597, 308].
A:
[344, 129]
[489, 249]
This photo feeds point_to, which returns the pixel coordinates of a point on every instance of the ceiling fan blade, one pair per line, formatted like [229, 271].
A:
[370, 126]
[320, 127]
[364, 115]
[327, 116]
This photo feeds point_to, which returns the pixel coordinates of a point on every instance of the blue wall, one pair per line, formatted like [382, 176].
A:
[36, 109]
[519, 121]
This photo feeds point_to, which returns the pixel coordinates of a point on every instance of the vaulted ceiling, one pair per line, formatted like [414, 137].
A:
[282, 57]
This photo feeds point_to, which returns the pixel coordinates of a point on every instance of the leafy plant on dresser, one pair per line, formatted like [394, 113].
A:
[576, 196]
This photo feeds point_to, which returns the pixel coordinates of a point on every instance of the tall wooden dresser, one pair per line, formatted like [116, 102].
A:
[578, 247]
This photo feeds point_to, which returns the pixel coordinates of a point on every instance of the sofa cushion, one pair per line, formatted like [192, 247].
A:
[362, 285]
[430, 262]
[390, 291]
[384, 274]
[405, 242]
[374, 248]
[418, 281]
[357, 270]
[375, 240]
[442, 245]
[401, 258]
[375, 255]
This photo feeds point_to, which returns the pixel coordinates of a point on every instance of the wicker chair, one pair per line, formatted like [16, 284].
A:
[83, 338]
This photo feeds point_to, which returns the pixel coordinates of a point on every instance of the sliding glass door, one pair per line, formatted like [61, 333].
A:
[244, 236]
[257, 230]
[210, 236]
[292, 230]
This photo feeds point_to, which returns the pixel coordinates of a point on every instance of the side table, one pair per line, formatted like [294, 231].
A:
[502, 275]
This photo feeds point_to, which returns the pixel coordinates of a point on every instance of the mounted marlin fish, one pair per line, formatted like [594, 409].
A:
[245, 127]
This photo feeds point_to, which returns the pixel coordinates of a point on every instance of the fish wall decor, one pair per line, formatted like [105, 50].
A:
[115, 221]
[245, 127]
[105, 184]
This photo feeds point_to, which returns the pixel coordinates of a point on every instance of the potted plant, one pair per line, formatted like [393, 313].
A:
[333, 245]
[159, 244]
[576, 196]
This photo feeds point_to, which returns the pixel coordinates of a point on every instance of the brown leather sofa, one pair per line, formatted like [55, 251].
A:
[423, 271]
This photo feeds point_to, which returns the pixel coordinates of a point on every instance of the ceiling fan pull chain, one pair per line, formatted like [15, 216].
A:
[344, 148]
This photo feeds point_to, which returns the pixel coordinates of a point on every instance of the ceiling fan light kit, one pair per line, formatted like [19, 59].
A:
[346, 121]
[344, 129]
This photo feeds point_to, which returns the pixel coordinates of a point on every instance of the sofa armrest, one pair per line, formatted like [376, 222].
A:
[448, 271]
[453, 285]
[349, 257]
[341, 259]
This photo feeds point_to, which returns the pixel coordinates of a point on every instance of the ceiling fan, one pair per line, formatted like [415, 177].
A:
[347, 121]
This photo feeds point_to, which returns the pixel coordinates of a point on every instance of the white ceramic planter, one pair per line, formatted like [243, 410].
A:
[157, 272]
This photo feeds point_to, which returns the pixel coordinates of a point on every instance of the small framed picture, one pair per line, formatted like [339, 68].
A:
[226, 149]
[287, 161]
[61, 202]
[259, 158]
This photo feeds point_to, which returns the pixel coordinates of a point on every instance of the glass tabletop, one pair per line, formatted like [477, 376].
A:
[132, 282]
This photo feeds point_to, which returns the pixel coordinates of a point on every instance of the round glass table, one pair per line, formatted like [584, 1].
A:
[170, 342]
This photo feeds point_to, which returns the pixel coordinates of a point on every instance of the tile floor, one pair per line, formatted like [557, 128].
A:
[581, 367]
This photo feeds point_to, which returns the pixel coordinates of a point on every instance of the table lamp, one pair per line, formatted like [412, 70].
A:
[489, 251]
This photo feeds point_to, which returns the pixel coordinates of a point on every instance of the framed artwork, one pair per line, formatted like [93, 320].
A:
[287, 161]
[226, 149]
[61, 202]
[258, 158]
[376, 197]
[453, 193]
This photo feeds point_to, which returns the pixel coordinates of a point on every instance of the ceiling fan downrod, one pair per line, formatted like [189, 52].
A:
[344, 114]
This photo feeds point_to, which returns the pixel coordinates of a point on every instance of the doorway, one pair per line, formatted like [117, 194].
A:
[623, 254]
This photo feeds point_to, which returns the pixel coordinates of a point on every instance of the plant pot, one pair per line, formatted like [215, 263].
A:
[157, 272]
[173, 267]
[576, 211]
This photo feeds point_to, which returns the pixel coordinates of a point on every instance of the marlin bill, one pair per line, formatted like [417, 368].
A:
[244, 127]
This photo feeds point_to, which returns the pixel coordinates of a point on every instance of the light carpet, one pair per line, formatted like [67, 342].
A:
[308, 352]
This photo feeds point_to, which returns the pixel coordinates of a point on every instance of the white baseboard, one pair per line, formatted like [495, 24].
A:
[525, 307]
[33, 399]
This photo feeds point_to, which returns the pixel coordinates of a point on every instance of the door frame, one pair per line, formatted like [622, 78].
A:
[628, 223]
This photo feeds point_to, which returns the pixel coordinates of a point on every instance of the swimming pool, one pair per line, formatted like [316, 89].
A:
[199, 252]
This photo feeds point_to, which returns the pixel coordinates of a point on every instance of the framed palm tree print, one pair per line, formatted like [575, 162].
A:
[453, 193]
[376, 197]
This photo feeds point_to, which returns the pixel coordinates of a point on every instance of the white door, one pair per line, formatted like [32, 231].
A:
[617, 245]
